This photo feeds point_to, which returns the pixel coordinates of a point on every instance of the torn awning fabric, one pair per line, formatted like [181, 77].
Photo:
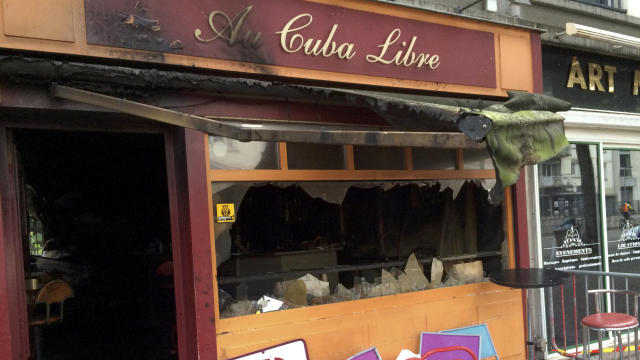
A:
[525, 131]
[523, 138]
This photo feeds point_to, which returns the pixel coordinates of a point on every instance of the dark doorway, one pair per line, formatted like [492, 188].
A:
[95, 216]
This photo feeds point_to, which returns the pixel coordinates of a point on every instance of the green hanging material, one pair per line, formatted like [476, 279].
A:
[523, 138]
[525, 131]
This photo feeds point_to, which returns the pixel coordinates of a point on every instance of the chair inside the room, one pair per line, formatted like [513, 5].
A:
[53, 295]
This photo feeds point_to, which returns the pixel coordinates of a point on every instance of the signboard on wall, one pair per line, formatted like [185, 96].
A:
[590, 80]
[627, 247]
[572, 253]
[297, 34]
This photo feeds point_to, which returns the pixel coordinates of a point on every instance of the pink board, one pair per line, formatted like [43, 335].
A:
[369, 354]
[432, 341]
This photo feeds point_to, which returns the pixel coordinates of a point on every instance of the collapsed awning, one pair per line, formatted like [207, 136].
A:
[524, 130]
[287, 132]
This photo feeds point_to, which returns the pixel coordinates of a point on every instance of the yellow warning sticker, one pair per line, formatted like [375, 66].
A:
[225, 213]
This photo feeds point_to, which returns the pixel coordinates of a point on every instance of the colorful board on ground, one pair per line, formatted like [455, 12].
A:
[369, 354]
[486, 343]
[433, 341]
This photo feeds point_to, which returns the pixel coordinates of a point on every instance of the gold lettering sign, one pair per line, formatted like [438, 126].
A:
[610, 70]
[576, 76]
[410, 58]
[231, 29]
[636, 81]
[393, 51]
[292, 42]
[595, 75]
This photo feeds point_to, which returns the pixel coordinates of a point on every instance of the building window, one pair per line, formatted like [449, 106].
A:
[378, 158]
[626, 194]
[607, 4]
[225, 153]
[551, 168]
[575, 168]
[625, 164]
[315, 156]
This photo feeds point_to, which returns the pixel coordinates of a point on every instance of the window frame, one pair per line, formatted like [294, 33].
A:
[618, 8]
[349, 174]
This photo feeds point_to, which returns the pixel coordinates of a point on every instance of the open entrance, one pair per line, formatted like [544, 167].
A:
[97, 245]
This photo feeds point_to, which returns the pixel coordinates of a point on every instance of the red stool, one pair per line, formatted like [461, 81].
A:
[603, 321]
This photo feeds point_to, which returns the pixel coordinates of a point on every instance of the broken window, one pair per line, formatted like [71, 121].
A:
[283, 244]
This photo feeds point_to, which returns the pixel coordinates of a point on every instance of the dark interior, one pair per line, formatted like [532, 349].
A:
[96, 216]
[369, 230]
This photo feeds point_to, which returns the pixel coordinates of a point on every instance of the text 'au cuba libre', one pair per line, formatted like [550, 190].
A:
[393, 51]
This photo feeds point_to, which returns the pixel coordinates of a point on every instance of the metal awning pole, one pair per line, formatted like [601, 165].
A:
[295, 133]
[148, 112]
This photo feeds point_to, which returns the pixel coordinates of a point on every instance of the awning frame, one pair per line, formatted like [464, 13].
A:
[301, 132]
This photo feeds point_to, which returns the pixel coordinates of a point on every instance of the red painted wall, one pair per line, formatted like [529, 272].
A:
[13, 322]
[194, 272]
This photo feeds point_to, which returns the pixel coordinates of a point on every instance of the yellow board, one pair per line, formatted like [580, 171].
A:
[225, 213]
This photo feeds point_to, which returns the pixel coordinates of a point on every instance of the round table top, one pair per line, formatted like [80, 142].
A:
[528, 278]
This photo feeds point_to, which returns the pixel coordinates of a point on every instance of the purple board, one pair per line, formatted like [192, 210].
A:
[486, 345]
[370, 354]
[432, 341]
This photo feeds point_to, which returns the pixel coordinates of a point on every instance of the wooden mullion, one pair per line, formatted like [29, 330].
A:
[351, 164]
[408, 158]
[459, 159]
[284, 160]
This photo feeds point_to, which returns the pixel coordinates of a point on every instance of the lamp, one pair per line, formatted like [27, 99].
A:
[603, 35]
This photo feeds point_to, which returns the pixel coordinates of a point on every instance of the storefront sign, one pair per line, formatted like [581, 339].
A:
[629, 237]
[576, 77]
[298, 34]
[573, 253]
[590, 80]
[627, 247]
[595, 72]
